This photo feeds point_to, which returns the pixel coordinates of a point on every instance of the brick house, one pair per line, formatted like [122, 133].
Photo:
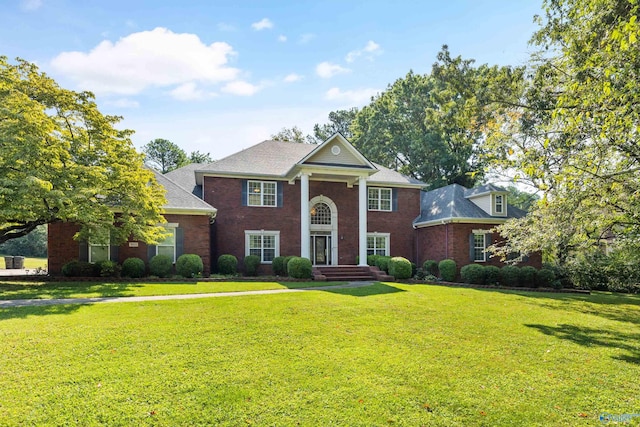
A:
[325, 202]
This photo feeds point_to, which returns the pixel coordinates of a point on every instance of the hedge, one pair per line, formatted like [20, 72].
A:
[251, 264]
[133, 267]
[448, 270]
[400, 268]
[300, 268]
[161, 265]
[473, 274]
[227, 264]
[189, 265]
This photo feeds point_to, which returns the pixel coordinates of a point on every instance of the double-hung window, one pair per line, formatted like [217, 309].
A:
[498, 204]
[261, 193]
[479, 246]
[99, 252]
[379, 199]
[378, 244]
[264, 244]
[168, 245]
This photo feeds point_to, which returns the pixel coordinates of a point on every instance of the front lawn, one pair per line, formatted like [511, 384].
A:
[30, 263]
[383, 355]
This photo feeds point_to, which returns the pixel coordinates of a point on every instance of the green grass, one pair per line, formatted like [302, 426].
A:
[384, 355]
[30, 263]
[49, 290]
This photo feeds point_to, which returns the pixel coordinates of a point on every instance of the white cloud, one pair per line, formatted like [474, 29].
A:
[371, 48]
[263, 24]
[327, 70]
[146, 59]
[306, 38]
[293, 77]
[282, 38]
[122, 103]
[223, 26]
[241, 88]
[189, 92]
[30, 5]
[356, 97]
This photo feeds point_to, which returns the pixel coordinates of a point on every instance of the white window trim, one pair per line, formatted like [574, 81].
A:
[169, 227]
[387, 237]
[108, 245]
[494, 205]
[247, 242]
[262, 194]
[483, 233]
[379, 199]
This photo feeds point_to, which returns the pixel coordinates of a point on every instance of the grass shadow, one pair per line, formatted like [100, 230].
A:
[59, 290]
[377, 288]
[7, 313]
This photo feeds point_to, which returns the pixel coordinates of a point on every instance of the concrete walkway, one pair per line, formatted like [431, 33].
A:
[100, 300]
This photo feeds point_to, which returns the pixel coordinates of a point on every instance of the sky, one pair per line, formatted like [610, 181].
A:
[219, 76]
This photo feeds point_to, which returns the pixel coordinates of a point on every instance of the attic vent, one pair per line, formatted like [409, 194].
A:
[335, 150]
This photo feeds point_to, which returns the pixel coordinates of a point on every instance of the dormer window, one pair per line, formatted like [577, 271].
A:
[499, 204]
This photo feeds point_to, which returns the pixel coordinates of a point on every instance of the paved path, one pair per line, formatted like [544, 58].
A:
[99, 300]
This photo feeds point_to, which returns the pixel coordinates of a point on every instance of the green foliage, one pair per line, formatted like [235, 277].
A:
[510, 275]
[527, 276]
[227, 264]
[278, 266]
[80, 269]
[616, 272]
[430, 267]
[545, 278]
[491, 275]
[521, 199]
[371, 260]
[251, 264]
[164, 156]
[448, 270]
[299, 268]
[189, 265]
[108, 268]
[198, 157]
[473, 273]
[286, 263]
[33, 244]
[61, 160]
[382, 262]
[400, 268]
[133, 267]
[293, 134]
[339, 121]
[161, 266]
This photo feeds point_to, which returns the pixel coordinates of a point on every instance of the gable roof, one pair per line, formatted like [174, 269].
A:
[180, 200]
[482, 190]
[452, 204]
[185, 178]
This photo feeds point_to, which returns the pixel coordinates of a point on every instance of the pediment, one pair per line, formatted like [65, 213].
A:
[337, 152]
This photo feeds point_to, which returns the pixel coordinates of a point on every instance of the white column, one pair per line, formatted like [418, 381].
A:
[362, 220]
[304, 216]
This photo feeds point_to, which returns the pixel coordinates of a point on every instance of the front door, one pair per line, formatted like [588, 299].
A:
[321, 249]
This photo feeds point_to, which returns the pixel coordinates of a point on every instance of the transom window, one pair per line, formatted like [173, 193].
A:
[379, 199]
[479, 246]
[264, 244]
[261, 193]
[499, 204]
[321, 214]
[168, 245]
[378, 244]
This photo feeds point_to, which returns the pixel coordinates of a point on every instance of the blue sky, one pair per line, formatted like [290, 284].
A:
[219, 76]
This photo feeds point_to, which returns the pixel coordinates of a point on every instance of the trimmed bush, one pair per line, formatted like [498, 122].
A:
[278, 266]
[491, 275]
[227, 264]
[161, 266]
[108, 268]
[371, 260]
[510, 275]
[251, 264]
[80, 269]
[382, 262]
[133, 267]
[527, 276]
[400, 268]
[473, 274]
[430, 266]
[286, 264]
[299, 268]
[189, 265]
[448, 270]
[545, 278]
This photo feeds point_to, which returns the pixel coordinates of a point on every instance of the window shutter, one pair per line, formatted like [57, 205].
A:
[280, 191]
[114, 253]
[244, 192]
[83, 255]
[151, 252]
[179, 242]
[394, 199]
[472, 242]
[487, 243]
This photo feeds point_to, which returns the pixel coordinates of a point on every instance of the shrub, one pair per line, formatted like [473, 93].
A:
[491, 275]
[473, 273]
[400, 268]
[161, 265]
[133, 267]
[430, 267]
[278, 266]
[545, 278]
[286, 264]
[299, 268]
[382, 262]
[448, 270]
[509, 275]
[80, 269]
[251, 264]
[372, 260]
[108, 268]
[189, 265]
[227, 264]
[527, 276]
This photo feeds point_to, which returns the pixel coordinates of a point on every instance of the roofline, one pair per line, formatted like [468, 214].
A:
[461, 220]
[484, 193]
[396, 184]
[186, 211]
[345, 142]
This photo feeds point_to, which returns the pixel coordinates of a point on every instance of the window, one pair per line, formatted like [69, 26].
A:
[99, 252]
[321, 214]
[264, 244]
[168, 245]
[479, 255]
[378, 244]
[379, 199]
[499, 204]
[261, 193]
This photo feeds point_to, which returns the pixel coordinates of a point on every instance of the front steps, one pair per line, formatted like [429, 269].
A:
[349, 273]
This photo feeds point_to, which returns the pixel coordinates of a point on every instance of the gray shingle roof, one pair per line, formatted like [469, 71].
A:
[185, 177]
[451, 202]
[179, 198]
[483, 189]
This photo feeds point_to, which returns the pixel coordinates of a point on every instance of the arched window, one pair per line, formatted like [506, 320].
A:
[321, 214]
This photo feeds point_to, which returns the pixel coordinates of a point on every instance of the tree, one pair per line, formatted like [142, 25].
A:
[62, 160]
[33, 244]
[293, 134]
[575, 133]
[164, 156]
[521, 199]
[198, 157]
[339, 121]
